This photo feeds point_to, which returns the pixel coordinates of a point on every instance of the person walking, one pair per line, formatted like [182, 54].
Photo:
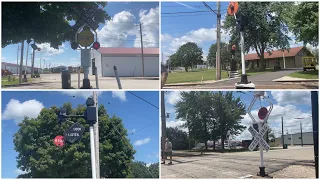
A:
[167, 151]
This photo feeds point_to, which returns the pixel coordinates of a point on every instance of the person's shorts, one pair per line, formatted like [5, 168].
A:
[168, 153]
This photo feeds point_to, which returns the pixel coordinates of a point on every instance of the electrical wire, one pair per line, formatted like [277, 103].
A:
[143, 99]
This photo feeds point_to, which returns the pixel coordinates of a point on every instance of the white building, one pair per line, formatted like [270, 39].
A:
[127, 60]
[295, 139]
[14, 69]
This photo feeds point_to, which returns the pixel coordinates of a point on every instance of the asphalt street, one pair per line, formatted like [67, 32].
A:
[261, 81]
[235, 165]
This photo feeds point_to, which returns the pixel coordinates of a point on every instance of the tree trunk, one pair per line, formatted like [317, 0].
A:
[233, 65]
[206, 145]
[186, 68]
[214, 145]
[262, 63]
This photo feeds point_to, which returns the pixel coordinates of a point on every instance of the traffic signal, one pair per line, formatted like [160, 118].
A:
[34, 47]
[233, 49]
[90, 115]
[62, 115]
[242, 21]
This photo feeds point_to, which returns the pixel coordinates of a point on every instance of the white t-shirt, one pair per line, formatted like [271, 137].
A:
[168, 147]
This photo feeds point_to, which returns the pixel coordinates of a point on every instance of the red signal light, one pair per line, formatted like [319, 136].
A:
[96, 45]
[233, 47]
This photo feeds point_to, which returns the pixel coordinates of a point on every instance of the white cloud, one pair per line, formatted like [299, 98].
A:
[173, 97]
[142, 142]
[177, 123]
[148, 164]
[3, 59]
[19, 172]
[289, 112]
[17, 110]
[198, 36]
[81, 94]
[46, 50]
[116, 32]
[292, 97]
[150, 28]
[119, 94]
[166, 37]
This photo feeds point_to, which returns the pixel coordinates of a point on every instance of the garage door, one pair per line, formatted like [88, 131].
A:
[130, 66]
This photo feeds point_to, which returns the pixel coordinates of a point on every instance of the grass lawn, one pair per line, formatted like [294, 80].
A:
[4, 81]
[194, 76]
[306, 74]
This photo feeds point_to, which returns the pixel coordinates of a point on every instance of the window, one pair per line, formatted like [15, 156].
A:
[299, 137]
[289, 138]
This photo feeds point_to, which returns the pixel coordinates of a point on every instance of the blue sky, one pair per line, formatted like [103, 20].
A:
[139, 118]
[178, 29]
[286, 104]
[122, 31]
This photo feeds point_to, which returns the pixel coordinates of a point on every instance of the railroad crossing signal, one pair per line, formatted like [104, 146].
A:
[233, 8]
[86, 17]
[85, 37]
[259, 137]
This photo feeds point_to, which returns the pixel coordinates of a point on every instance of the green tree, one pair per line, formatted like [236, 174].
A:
[305, 22]
[45, 22]
[178, 138]
[267, 27]
[174, 61]
[40, 158]
[226, 56]
[189, 55]
[195, 108]
[141, 170]
[228, 112]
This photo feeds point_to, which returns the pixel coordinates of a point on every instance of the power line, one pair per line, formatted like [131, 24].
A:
[144, 100]
[187, 12]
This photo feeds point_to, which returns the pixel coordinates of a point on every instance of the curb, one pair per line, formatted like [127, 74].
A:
[199, 83]
[297, 80]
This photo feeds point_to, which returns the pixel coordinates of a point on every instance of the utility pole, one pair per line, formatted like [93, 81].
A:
[32, 63]
[282, 133]
[163, 125]
[18, 60]
[142, 50]
[218, 59]
[315, 125]
[301, 134]
[21, 62]
[96, 135]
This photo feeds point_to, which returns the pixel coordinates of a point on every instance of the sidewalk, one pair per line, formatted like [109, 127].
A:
[293, 79]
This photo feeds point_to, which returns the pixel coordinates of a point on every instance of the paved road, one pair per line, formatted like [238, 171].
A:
[235, 165]
[53, 81]
[261, 81]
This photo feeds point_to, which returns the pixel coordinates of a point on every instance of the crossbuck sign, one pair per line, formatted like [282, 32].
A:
[258, 137]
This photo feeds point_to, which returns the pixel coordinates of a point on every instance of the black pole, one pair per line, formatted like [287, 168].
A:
[282, 133]
[315, 124]
[301, 134]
